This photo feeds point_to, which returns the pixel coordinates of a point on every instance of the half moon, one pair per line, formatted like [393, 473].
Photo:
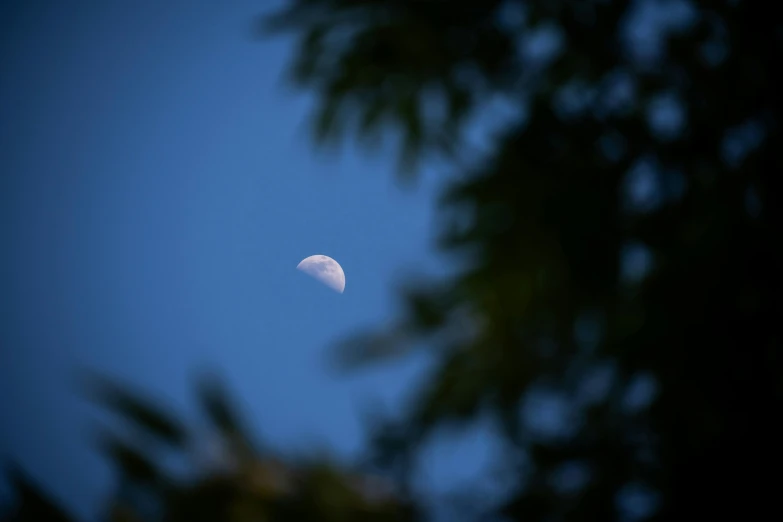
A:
[326, 270]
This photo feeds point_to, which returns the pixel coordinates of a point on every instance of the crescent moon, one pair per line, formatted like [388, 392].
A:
[326, 270]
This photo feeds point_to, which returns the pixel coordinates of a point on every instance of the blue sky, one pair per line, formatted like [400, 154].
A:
[157, 191]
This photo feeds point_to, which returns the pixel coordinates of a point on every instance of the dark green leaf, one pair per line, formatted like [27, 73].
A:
[129, 460]
[140, 413]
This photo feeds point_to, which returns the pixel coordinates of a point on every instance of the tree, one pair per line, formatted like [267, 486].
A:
[618, 254]
[241, 482]
[623, 222]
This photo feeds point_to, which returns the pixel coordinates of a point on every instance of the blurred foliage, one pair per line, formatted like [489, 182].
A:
[31, 504]
[213, 472]
[618, 255]
[621, 226]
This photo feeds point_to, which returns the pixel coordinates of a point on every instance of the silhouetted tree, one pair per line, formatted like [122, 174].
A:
[31, 504]
[618, 248]
[622, 228]
[222, 475]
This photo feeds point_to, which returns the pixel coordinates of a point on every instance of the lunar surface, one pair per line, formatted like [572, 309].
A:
[326, 270]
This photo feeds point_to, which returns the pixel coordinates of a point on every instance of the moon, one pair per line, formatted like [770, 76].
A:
[326, 270]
